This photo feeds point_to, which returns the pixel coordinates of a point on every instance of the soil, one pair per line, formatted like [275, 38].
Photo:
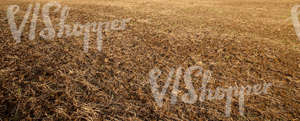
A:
[240, 42]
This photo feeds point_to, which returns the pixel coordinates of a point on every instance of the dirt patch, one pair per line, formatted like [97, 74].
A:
[56, 80]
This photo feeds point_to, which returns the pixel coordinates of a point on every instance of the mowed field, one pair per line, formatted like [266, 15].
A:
[242, 42]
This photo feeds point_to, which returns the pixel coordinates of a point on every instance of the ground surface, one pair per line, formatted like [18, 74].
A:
[241, 42]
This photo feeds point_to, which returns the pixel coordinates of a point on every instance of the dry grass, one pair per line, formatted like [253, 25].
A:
[241, 42]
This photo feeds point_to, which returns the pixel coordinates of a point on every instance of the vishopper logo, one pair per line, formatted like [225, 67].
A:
[49, 32]
[206, 94]
[295, 18]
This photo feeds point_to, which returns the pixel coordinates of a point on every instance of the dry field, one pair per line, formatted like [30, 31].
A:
[242, 42]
